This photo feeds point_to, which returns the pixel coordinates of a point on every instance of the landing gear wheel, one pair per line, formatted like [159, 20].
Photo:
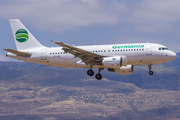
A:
[150, 67]
[98, 76]
[90, 72]
[150, 72]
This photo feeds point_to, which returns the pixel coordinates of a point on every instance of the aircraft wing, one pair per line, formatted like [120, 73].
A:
[78, 52]
[18, 53]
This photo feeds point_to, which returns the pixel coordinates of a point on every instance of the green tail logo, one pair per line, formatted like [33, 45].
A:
[22, 35]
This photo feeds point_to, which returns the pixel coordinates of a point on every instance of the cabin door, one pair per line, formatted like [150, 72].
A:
[43, 54]
[149, 49]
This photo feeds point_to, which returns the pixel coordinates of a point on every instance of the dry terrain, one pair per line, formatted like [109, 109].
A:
[31, 91]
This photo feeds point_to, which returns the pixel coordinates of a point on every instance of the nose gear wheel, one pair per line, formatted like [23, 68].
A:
[150, 71]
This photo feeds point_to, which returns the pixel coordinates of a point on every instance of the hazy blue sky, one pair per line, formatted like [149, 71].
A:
[86, 22]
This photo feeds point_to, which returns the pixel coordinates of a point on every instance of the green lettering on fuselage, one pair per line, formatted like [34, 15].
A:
[127, 46]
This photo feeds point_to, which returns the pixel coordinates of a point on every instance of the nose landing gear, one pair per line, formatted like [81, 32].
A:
[150, 72]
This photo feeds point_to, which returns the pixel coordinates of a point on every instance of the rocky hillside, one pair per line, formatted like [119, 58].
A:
[32, 91]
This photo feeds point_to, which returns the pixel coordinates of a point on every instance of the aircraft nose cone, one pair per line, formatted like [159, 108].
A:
[172, 55]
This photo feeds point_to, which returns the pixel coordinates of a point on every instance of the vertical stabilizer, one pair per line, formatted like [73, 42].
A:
[23, 38]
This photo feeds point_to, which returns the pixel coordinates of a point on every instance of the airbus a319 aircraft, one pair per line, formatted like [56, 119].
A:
[119, 58]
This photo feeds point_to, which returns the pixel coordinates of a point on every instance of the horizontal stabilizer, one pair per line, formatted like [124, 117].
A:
[18, 53]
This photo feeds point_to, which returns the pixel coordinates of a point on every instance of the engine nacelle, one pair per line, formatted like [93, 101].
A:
[125, 70]
[115, 62]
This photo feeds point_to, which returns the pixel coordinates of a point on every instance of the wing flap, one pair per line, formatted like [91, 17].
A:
[18, 53]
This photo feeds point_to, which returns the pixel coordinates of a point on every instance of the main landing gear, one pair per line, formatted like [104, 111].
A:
[98, 76]
[90, 72]
[150, 72]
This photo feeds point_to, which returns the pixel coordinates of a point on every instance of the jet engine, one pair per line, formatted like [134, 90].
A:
[115, 61]
[125, 70]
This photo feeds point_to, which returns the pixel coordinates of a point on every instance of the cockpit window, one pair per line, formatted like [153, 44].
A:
[163, 48]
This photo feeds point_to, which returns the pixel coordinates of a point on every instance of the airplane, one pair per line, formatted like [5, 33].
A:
[118, 58]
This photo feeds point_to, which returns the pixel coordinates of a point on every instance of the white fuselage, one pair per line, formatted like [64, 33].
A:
[119, 58]
[136, 54]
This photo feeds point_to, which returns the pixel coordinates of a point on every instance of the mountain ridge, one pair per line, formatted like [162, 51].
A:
[32, 91]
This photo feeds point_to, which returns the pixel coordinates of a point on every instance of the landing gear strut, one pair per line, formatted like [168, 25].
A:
[99, 76]
[90, 72]
[150, 72]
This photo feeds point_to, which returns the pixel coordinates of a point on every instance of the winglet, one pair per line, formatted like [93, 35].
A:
[52, 42]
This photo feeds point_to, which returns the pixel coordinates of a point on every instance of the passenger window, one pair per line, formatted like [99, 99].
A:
[101, 51]
[131, 49]
[115, 50]
[108, 50]
[137, 49]
[123, 50]
[159, 48]
[142, 49]
[112, 50]
[134, 49]
[104, 50]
